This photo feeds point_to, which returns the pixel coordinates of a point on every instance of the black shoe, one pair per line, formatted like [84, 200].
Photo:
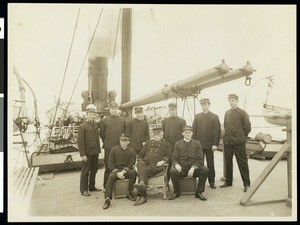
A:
[95, 189]
[85, 193]
[212, 185]
[246, 188]
[200, 196]
[140, 186]
[140, 200]
[130, 197]
[225, 185]
[106, 203]
[175, 195]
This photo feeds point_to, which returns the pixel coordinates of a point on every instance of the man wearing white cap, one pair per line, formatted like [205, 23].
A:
[89, 149]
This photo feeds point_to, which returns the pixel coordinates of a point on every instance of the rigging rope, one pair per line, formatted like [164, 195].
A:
[110, 36]
[70, 50]
[112, 63]
[82, 64]
[189, 110]
[269, 88]
[282, 90]
[171, 60]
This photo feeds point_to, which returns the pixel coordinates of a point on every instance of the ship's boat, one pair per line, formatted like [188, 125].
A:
[276, 115]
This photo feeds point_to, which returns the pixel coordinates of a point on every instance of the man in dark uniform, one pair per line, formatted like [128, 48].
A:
[188, 160]
[237, 127]
[172, 128]
[111, 128]
[120, 162]
[150, 161]
[173, 125]
[89, 149]
[207, 130]
[138, 130]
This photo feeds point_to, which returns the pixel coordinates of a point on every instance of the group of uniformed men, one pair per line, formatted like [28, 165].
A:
[183, 148]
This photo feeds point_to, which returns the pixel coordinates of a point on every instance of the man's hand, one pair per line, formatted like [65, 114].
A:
[120, 175]
[144, 143]
[178, 167]
[160, 163]
[191, 172]
[214, 148]
[84, 158]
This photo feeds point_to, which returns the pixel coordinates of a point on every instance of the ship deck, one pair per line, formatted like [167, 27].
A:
[60, 200]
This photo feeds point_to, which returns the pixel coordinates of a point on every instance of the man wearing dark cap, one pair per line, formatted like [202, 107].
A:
[111, 128]
[138, 130]
[120, 162]
[207, 130]
[173, 125]
[172, 128]
[89, 149]
[154, 154]
[237, 127]
[187, 161]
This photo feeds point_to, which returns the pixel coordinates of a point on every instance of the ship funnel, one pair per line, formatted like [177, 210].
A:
[98, 73]
[112, 96]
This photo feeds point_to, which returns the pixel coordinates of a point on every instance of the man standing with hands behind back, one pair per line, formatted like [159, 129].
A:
[237, 127]
[89, 148]
[207, 130]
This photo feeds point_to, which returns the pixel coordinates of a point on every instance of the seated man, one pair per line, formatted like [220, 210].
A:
[150, 161]
[120, 162]
[187, 160]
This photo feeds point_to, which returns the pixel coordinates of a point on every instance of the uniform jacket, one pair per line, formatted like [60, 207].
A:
[237, 126]
[188, 154]
[88, 139]
[155, 151]
[138, 130]
[207, 129]
[120, 159]
[172, 128]
[111, 128]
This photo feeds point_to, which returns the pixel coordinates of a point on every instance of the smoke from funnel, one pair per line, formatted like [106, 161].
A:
[99, 47]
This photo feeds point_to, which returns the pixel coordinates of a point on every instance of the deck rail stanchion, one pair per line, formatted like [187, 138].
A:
[286, 148]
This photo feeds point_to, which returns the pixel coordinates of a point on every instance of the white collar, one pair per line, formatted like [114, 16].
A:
[186, 140]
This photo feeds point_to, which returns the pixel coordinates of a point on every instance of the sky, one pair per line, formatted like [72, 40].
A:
[169, 43]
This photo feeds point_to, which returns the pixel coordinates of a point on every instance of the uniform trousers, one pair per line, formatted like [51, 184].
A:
[88, 173]
[145, 171]
[209, 155]
[131, 175]
[241, 159]
[201, 172]
[106, 169]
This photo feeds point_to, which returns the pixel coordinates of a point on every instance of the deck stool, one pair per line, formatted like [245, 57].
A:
[120, 188]
[188, 185]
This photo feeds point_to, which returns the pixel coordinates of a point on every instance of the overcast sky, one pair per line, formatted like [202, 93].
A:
[170, 43]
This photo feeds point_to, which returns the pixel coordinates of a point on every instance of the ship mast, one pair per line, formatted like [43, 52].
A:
[126, 54]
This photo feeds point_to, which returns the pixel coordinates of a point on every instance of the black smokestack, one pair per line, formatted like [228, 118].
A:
[98, 73]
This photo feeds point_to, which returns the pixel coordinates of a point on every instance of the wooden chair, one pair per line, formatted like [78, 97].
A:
[159, 183]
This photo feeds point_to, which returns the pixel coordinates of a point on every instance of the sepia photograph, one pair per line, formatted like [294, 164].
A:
[144, 112]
